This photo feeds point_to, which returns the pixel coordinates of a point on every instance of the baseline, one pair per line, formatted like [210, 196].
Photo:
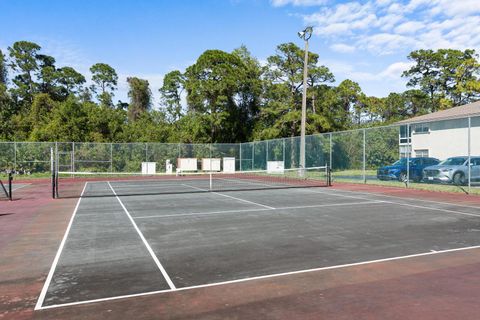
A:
[262, 277]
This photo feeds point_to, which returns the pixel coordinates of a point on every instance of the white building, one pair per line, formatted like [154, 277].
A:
[442, 134]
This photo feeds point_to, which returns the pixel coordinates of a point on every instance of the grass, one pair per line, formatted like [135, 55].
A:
[355, 172]
[36, 175]
[338, 176]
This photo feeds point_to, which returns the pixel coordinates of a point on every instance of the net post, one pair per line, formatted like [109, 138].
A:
[10, 181]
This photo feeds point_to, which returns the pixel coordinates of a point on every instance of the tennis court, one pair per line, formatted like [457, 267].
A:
[124, 243]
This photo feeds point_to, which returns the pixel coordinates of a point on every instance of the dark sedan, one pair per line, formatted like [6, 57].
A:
[398, 170]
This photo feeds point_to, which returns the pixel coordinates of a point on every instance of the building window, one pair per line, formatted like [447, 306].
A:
[405, 151]
[423, 153]
[421, 128]
[405, 135]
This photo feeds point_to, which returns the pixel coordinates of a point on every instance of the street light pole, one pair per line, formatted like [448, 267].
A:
[305, 35]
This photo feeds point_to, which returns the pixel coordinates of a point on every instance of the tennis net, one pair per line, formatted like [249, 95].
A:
[96, 184]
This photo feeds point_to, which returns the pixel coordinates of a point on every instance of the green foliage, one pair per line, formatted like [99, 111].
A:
[23, 60]
[71, 80]
[140, 97]
[7, 110]
[171, 94]
[214, 86]
[3, 69]
[446, 74]
[225, 97]
[280, 115]
[105, 79]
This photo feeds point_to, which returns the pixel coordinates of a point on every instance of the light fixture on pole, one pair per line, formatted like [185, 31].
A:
[305, 36]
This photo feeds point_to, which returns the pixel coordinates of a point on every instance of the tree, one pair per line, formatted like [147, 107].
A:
[249, 98]
[449, 77]
[39, 116]
[47, 76]
[105, 79]
[3, 69]
[7, 110]
[140, 97]
[23, 56]
[284, 81]
[171, 94]
[350, 97]
[69, 122]
[213, 83]
[71, 80]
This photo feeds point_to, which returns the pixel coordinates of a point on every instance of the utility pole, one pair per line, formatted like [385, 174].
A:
[305, 35]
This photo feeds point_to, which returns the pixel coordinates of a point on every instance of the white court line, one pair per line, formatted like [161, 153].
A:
[262, 277]
[46, 285]
[154, 257]
[231, 197]
[145, 185]
[403, 204]
[20, 187]
[257, 210]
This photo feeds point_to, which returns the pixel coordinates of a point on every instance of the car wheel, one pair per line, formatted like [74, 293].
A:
[459, 179]
[402, 177]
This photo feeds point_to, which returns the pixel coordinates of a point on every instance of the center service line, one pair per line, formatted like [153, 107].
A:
[231, 197]
[154, 257]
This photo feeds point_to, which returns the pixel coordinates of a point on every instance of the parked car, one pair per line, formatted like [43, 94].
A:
[454, 170]
[398, 170]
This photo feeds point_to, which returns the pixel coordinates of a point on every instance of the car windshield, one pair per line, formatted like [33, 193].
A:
[453, 162]
[402, 162]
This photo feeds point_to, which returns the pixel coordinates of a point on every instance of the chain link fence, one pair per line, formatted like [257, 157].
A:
[397, 155]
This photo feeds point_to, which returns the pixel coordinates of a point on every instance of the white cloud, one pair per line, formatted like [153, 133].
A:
[387, 43]
[297, 3]
[388, 27]
[454, 8]
[343, 19]
[409, 27]
[394, 70]
[343, 48]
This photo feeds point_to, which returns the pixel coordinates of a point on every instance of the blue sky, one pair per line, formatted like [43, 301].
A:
[366, 41]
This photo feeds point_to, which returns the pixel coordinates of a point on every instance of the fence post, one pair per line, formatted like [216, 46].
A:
[73, 156]
[266, 155]
[253, 155]
[364, 156]
[15, 156]
[111, 157]
[52, 171]
[283, 158]
[330, 152]
[240, 156]
[469, 154]
[409, 141]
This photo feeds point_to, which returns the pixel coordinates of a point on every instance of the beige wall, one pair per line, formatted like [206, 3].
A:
[447, 139]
